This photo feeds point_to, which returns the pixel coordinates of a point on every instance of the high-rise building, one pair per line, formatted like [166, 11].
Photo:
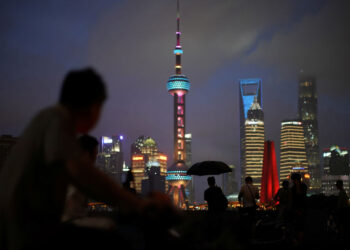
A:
[110, 156]
[249, 89]
[6, 143]
[335, 167]
[178, 85]
[154, 181]
[144, 156]
[269, 182]
[190, 186]
[138, 169]
[188, 142]
[307, 112]
[292, 150]
[253, 143]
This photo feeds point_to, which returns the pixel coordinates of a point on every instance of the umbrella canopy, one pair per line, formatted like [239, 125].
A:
[209, 168]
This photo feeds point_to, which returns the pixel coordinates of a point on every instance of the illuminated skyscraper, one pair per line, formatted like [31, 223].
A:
[144, 156]
[110, 156]
[307, 111]
[190, 186]
[335, 167]
[293, 154]
[188, 143]
[249, 89]
[253, 143]
[178, 85]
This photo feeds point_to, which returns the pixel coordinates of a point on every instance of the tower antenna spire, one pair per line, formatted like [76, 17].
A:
[178, 33]
[178, 15]
[178, 48]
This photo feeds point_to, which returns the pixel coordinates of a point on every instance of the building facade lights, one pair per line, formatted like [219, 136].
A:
[307, 114]
[145, 156]
[110, 156]
[253, 144]
[249, 91]
[292, 149]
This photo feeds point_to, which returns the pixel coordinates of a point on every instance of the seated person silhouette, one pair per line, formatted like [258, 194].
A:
[47, 158]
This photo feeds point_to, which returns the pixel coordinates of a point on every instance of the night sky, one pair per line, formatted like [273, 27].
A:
[130, 43]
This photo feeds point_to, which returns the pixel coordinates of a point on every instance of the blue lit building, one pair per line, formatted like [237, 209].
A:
[249, 90]
[110, 156]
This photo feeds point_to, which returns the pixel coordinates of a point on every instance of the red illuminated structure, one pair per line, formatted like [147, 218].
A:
[178, 85]
[269, 182]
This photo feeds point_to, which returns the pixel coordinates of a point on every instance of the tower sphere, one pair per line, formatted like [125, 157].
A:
[178, 84]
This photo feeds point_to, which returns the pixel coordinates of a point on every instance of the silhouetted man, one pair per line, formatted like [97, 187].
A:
[47, 158]
[282, 196]
[342, 210]
[214, 196]
[248, 193]
[298, 206]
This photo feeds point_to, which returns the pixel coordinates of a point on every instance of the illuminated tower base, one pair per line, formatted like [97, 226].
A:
[178, 180]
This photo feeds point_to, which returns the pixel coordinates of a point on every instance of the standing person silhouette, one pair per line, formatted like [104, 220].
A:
[342, 209]
[298, 207]
[47, 158]
[214, 196]
[249, 193]
[282, 196]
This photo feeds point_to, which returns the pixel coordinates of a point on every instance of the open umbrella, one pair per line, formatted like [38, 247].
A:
[209, 168]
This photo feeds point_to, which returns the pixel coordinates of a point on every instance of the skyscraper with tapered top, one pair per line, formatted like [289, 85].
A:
[249, 89]
[253, 143]
[307, 112]
[178, 85]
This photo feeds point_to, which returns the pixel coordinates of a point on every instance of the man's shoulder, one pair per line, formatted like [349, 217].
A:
[53, 112]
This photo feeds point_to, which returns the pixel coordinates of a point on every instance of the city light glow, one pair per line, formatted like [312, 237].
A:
[163, 158]
[106, 140]
[137, 158]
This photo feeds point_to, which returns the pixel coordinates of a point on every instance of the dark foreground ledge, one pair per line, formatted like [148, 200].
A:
[229, 230]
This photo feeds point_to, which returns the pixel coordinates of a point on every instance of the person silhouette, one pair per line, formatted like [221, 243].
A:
[282, 196]
[215, 198]
[47, 158]
[249, 193]
[342, 209]
[297, 206]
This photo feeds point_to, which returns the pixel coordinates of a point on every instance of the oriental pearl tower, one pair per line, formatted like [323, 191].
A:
[178, 85]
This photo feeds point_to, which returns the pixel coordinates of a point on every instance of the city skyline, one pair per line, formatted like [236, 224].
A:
[128, 43]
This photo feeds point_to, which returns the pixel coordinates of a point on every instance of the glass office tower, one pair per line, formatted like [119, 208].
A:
[249, 89]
